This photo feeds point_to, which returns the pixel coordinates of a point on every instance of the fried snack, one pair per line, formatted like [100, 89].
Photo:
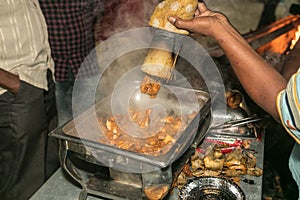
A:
[155, 145]
[156, 192]
[213, 164]
[142, 120]
[197, 164]
[198, 172]
[158, 63]
[235, 158]
[149, 86]
[181, 179]
[254, 171]
[232, 165]
[184, 9]
[234, 98]
[186, 169]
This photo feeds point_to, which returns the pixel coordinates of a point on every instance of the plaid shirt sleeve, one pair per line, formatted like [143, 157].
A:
[71, 36]
[288, 105]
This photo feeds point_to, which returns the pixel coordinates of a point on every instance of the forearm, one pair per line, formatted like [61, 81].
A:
[292, 62]
[261, 81]
[9, 81]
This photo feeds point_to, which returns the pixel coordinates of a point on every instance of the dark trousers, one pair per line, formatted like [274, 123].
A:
[27, 155]
[63, 94]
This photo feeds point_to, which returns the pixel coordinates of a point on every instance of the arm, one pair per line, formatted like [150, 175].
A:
[292, 62]
[260, 80]
[9, 81]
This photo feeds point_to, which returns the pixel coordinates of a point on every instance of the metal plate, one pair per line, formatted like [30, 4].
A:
[211, 188]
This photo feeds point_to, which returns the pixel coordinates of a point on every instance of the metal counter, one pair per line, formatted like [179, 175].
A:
[60, 187]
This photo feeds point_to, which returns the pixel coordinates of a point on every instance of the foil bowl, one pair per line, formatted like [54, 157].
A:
[211, 188]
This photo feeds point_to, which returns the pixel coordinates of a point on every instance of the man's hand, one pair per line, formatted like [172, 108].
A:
[9, 81]
[205, 22]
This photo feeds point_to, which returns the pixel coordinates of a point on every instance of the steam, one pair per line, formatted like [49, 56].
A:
[122, 15]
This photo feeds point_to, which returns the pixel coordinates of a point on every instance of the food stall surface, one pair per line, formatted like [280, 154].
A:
[60, 186]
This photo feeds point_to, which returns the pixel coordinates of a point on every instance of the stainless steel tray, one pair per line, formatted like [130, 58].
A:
[111, 156]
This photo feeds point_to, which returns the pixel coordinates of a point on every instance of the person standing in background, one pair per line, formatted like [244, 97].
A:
[71, 36]
[123, 15]
[27, 101]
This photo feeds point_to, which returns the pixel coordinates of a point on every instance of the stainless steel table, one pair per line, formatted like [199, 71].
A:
[60, 187]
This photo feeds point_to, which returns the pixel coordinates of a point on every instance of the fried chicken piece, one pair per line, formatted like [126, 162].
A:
[217, 154]
[213, 164]
[240, 169]
[231, 173]
[182, 179]
[211, 173]
[186, 169]
[156, 192]
[236, 179]
[168, 139]
[198, 172]
[254, 171]
[184, 9]
[251, 161]
[149, 86]
[234, 98]
[112, 126]
[235, 158]
[197, 164]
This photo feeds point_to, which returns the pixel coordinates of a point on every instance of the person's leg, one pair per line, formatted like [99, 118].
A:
[23, 132]
[52, 160]
[294, 164]
[84, 94]
[63, 95]
[7, 153]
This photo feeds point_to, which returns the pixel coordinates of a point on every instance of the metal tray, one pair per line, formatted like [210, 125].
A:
[124, 160]
[209, 187]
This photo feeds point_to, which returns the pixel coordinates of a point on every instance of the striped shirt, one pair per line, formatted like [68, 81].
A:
[288, 105]
[24, 47]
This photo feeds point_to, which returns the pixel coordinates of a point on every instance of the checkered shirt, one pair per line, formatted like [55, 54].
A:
[71, 35]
